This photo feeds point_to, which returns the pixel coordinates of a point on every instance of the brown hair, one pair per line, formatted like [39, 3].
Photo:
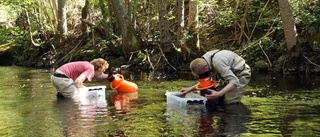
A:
[100, 63]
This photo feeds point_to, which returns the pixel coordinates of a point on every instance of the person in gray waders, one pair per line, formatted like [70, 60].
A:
[231, 72]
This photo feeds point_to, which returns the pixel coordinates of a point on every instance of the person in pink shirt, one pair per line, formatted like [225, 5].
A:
[68, 77]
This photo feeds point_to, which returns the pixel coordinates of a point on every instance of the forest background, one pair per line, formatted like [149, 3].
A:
[282, 36]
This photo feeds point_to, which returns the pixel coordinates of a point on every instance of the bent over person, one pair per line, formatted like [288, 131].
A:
[229, 67]
[67, 78]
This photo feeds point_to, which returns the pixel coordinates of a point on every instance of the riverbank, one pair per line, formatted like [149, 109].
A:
[41, 57]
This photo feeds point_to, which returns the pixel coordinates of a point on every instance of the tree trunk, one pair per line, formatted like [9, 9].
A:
[47, 15]
[128, 4]
[120, 16]
[288, 23]
[133, 20]
[54, 9]
[244, 22]
[193, 22]
[180, 19]
[62, 17]
[129, 38]
[84, 16]
[165, 37]
[294, 60]
[105, 21]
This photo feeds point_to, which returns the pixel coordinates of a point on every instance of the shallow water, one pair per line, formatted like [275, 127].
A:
[274, 105]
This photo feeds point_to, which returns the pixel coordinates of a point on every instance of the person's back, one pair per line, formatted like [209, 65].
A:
[74, 69]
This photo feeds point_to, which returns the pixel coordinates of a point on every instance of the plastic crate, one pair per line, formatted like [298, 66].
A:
[175, 99]
[92, 95]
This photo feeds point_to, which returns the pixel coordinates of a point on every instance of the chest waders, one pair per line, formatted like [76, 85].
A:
[212, 104]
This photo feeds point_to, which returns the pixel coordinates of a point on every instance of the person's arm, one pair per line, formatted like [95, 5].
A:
[215, 94]
[79, 81]
[103, 76]
[223, 65]
[188, 90]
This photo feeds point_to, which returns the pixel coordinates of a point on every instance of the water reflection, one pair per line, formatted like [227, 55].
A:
[229, 121]
[123, 102]
[67, 113]
[82, 114]
[234, 119]
[285, 82]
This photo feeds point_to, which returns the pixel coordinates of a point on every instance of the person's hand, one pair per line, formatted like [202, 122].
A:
[214, 94]
[81, 86]
[79, 81]
[184, 91]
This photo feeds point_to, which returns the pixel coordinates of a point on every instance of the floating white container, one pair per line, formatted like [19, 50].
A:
[94, 95]
[175, 99]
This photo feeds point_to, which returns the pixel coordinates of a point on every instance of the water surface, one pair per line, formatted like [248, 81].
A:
[274, 105]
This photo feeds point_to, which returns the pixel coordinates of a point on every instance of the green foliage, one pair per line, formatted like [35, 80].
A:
[224, 24]
[306, 12]
[13, 34]
[263, 46]
[307, 18]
